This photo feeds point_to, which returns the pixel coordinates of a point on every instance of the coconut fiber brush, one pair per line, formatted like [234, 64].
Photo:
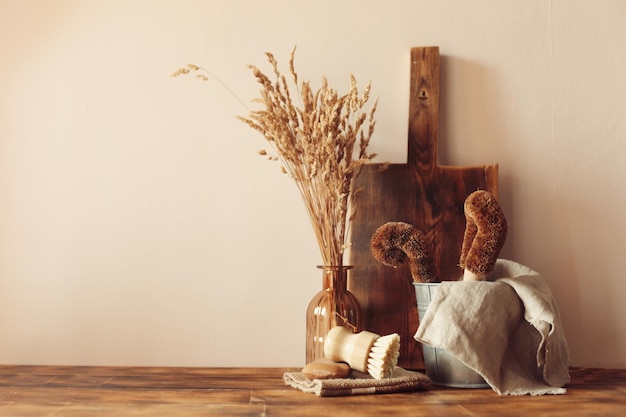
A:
[485, 234]
[365, 352]
[397, 243]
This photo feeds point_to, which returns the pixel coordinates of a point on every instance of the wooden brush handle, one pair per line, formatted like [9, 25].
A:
[342, 345]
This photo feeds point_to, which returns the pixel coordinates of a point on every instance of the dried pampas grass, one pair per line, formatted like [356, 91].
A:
[314, 134]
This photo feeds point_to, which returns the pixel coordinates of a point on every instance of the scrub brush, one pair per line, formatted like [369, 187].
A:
[398, 243]
[365, 352]
[485, 234]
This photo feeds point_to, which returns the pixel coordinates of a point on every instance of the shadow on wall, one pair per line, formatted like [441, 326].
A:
[586, 299]
[564, 219]
[479, 135]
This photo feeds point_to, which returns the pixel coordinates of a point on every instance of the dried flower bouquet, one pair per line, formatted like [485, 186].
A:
[314, 136]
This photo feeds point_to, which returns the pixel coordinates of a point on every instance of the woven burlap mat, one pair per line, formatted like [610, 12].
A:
[359, 383]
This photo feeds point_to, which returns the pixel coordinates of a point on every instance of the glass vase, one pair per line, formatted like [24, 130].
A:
[333, 306]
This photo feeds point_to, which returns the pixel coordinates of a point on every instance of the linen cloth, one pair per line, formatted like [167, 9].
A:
[359, 383]
[507, 329]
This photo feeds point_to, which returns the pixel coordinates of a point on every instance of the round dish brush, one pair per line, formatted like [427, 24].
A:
[365, 352]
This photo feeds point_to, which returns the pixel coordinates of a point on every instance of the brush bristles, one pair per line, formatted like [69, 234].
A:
[383, 356]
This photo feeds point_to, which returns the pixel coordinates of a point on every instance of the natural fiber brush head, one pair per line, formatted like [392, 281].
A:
[387, 243]
[397, 243]
[485, 233]
[383, 356]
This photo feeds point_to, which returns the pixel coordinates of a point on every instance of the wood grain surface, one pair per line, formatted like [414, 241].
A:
[421, 192]
[64, 391]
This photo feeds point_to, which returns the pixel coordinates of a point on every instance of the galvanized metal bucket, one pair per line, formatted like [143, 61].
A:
[441, 366]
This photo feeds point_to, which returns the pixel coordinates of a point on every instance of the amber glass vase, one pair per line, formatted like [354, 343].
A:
[333, 306]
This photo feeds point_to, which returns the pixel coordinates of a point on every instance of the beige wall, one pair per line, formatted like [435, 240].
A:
[139, 227]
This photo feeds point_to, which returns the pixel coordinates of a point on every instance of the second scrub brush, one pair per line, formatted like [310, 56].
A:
[365, 352]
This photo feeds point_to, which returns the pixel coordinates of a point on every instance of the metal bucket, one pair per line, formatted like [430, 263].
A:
[441, 366]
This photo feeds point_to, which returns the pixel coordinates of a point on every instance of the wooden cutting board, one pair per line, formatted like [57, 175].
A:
[420, 192]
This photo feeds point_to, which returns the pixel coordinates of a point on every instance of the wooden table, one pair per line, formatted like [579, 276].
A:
[132, 391]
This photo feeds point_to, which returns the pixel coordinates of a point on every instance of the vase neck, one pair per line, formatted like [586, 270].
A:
[335, 277]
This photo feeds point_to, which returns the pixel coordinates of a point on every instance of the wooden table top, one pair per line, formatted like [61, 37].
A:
[156, 391]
